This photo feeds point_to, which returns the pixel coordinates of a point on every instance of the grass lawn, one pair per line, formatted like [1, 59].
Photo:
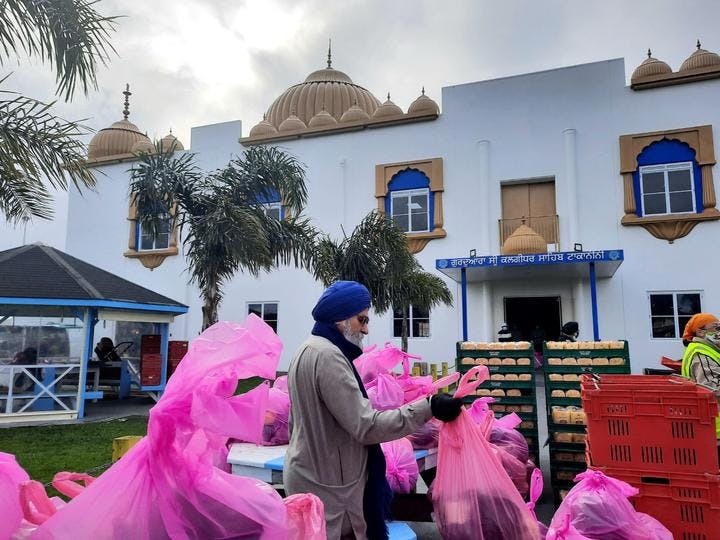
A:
[45, 450]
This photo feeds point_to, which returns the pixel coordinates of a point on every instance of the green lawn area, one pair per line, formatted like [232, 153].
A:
[44, 450]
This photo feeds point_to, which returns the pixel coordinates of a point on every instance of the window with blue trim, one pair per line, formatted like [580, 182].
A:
[272, 206]
[146, 239]
[409, 203]
[668, 180]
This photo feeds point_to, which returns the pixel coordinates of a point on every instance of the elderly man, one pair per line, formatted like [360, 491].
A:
[701, 361]
[334, 431]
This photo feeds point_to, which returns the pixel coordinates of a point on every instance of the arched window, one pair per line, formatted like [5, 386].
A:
[410, 193]
[668, 180]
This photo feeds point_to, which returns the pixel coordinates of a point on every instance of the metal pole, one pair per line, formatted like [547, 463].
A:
[90, 319]
[593, 300]
[463, 294]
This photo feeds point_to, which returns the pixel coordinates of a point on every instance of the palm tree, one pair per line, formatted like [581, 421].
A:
[38, 148]
[376, 254]
[227, 226]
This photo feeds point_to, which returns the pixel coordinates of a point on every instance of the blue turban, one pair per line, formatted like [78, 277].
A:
[340, 301]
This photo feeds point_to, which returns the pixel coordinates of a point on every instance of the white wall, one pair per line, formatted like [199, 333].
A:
[524, 120]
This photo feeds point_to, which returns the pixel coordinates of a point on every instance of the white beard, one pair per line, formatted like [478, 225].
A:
[356, 338]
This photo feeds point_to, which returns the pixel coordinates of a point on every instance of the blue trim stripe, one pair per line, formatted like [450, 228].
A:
[463, 295]
[593, 302]
[8, 300]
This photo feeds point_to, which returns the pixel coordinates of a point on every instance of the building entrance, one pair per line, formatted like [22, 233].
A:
[534, 318]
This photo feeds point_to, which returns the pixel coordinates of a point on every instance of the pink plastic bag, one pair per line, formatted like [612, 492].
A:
[536, 489]
[275, 429]
[173, 483]
[306, 517]
[385, 393]
[597, 507]
[281, 384]
[401, 469]
[375, 361]
[67, 483]
[473, 497]
[426, 436]
[12, 476]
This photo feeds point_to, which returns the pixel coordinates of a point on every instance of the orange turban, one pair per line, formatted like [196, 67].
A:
[696, 322]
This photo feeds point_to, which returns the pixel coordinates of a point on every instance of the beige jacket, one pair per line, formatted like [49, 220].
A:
[330, 426]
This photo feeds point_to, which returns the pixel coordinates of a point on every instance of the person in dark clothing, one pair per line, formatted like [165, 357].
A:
[570, 331]
[504, 333]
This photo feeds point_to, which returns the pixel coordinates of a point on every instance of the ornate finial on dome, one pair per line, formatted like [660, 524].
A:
[329, 53]
[388, 96]
[126, 109]
[698, 43]
[423, 90]
[649, 53]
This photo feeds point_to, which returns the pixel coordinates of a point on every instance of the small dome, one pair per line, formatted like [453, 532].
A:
[263, 129]
[651, 66]
[143, 147]
[328, 74]
[292, 123]
[387, 110]
[524, 240]
[322, 119]
[423, 105]
[700, 58]
[118, 139]
[354, 114]
[171, 143]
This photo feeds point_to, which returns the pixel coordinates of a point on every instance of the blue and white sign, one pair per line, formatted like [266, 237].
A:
[565, 257]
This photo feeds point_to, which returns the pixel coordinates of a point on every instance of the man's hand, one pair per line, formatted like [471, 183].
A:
[445, 407]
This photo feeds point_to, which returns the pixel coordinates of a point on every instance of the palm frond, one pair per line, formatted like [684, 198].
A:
[37, 146]
[69, 34]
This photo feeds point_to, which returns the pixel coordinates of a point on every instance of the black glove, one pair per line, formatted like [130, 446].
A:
[445, 407]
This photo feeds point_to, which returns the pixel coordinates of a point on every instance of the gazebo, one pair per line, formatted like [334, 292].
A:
[50, 303]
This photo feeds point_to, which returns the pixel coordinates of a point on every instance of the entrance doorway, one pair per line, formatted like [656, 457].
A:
[535, 318]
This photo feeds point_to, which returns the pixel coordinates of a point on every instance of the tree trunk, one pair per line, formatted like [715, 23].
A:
[210, 307]
[404, 331]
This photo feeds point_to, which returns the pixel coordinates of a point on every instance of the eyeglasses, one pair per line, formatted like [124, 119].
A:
[363, 320]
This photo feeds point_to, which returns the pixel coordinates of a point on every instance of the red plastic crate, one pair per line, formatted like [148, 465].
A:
[650, 423]
[687, 504]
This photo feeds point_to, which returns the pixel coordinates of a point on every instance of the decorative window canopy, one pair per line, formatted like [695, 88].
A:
[150, 258]
[669, 226]
[432, 169]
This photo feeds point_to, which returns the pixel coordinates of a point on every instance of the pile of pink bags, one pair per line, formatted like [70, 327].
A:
[175, 482]
[473, 497]
[277, 414]
[597, 507]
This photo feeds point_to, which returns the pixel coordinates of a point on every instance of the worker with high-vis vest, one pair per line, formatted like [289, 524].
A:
[701, 361]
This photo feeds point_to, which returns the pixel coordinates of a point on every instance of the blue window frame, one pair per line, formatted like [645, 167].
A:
[668, 180]
[409, 201]
[271, 205]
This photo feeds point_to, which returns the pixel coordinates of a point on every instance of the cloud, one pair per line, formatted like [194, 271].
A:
[195, 62]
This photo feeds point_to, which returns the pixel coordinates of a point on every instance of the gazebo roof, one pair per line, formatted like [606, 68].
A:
[42, 275]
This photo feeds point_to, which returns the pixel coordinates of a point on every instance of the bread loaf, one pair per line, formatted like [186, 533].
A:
[525, 377]
[508, 362]
[554, 361]
[497, 392]
[617, 361]
[555, 376]
[601, 361]
[557, 393]
[493, 361]
[572, 394]
[514, 392]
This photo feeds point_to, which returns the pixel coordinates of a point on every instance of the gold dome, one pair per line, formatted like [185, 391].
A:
[387, 110]
[292, 123]
[171, 143]
[423, 105]
[651, 66]
[354, 114]
[143, 147]
[118, 139]
[524, 240]
[263, 129]
[700, 58]
[326, 88]
[322, 119]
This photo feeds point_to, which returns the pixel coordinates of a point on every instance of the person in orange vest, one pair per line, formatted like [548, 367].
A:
[701, 361]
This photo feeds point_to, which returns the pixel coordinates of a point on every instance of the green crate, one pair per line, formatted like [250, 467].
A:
[508, 384]
[569, 428]
[587, 369]
[567, 447]
[587, 353]
[496, 353]
[563, 402]
[562, 385]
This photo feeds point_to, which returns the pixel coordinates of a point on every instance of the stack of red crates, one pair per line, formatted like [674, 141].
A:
[176, 352]
[150, 360]
[657, 433]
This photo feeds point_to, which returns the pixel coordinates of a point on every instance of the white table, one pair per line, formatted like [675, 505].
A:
[266, 462]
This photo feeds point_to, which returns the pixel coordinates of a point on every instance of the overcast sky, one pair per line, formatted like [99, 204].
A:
[196, 62]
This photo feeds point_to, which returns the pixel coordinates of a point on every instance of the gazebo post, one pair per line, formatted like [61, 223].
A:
[164, 343]
[90, 316]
